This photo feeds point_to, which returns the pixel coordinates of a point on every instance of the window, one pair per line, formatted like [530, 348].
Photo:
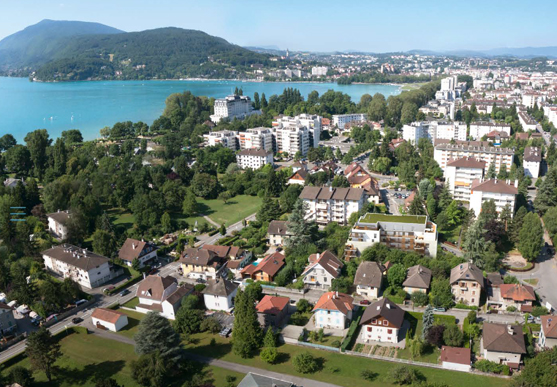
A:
[369, 329]
[472, 300]
[390, 331]
[385, 322]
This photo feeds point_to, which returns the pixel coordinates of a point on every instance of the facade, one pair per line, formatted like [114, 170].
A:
[333, 310]
[219, 294]
[7, 320]
[480, 129]
[327, 204]
[368, 279]
[501, 192]
[233, 106]
[88, 269]
[417, 130]
[266, 269]
[517, 295]
[226, 138]
[256, 138]
[272, 310]
[532, 161]
[201, 263]
[460, 174]
[322, 269]
[109, 319]
[254, 158]
[548, 332]
[418, 279]
[57, 223]
[452, 130]
[434, 130]
[501, 157]
[467, 282]
[527, 122]
[140, 250]
[382, 322]
[319, 71]
[340, 120]
[297, 134]
[161, 294]
[298, 177]
[503, 344]
[403, 232]
[277, 232]
[456, 358]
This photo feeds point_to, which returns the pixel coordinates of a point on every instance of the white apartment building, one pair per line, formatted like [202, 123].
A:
[254, 158]
[226, 138]
[434, 130]
[233, 106]
[340, 120]
[57, 223]
[482, 128]
[403, 232]
[501, 192]
[532, 161]
[326, 204]
[418, 130]
[550, 111]
[451, 131]
[256, 138]
[527, 122]
[501, 157]
[529, 99]
[293, 134]
[319, 71]
[460, 174]
[88, 269]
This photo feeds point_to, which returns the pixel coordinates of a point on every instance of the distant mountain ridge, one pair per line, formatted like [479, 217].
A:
[519, 52]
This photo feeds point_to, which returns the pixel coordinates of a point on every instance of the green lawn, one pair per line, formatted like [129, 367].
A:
[134, 318]
[132, 303]
[336, 368]
[411, 86]
[431, 356]
[236, 209]
[87, 357]
[328, 340]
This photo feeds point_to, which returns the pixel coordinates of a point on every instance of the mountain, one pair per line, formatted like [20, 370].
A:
[37, 43]
[112, 54]
[521, 52]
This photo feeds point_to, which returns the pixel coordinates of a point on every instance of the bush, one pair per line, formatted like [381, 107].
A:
[199, 287]
[453, 336]
[335, 344]
[299, 319]
[269, 355]
[368, 375]
[464, 306]
[401, 293]
[21, 376]
[403, 375]
[420, 298]
[305, 363]
[472, 316]
[538, 311]
[435, 335]
[351, 335]
[490, 366]
[303, 335]
[213, 342]
[511, 308]
[303, 306]
[210, 325]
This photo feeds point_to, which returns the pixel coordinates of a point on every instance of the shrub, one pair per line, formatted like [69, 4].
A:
[464, 306]
[420, 298]
[335, 344]
[213, 342]
[401, 293]
[303, 334]
[368, 375]
[490, 366]
[199, 287]
[299, 319]
[453, 336]
[305, 363]
[435, 335]
[303, 306]
[350, 336]
[21, 376]
[211, 325]
[269, 355]
[230, 378]
[472, 316]
[403, 375]
[511, 308]
[538, 311]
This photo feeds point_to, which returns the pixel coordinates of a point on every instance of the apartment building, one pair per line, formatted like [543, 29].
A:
[319, 71]
[460, 174]
[418, 130]
[233, 106]
[57, 222]
[340, 120]
[226, 138]
[481, 128]
[311, 122]
[403, 232]
[467, 282]
[327, 204]
[532, 161]
[501, 192]
[254, 158]
[292, 139]
[256, 138]
[450, 130]
[433, 130]
[527, 122]
[500, 157]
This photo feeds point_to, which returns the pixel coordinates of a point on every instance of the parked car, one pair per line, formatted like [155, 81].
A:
[77, 320]
[124, 292]
[153, 271]
[108, 288]
[225, 332]
[365, 302]
[80, 302]
[200, 281]
[439, 309]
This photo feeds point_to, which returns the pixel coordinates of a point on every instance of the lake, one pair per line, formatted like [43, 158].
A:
[90, 106]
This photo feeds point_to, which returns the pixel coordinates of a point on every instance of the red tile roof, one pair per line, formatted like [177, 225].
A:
[108, 315]
[272, 305]
[455, 355]
[335, 301]
[518, 292]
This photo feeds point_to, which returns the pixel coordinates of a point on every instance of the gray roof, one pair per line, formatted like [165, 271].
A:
[369, 273]
[75, 256]
[255, 380]
[468, 272]
[386, 309]
[278, 227]
[254, 152]
[503, 338]
[179, 293]
[220, 287]
[60, 216]
[325, 193]
[418, 277]
[532, 154]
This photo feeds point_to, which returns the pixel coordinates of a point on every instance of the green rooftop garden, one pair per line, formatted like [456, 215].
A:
[374, 218]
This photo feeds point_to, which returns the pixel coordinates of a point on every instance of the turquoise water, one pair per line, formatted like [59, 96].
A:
[90, 106]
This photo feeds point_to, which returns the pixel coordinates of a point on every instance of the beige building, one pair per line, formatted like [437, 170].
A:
[467, 282]
[418, 279]
[201, 263]
[460, 174]
[277, 232]
[500, 157]
[368, 279]
[322, 269]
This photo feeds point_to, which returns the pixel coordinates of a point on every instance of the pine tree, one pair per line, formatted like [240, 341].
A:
[417, 205]
[427, 321]
[338, 154]
[301, 230]
[189, 206]
[516, 224]
[546, 196]
[274, 184]
[445, 198]
[269, 210]
[491, 172]
[247, 334]
[474, 244]
[270, 340]
[155, 334]
[531, 237]
[263, 101]
[431, 206]
[43, 351]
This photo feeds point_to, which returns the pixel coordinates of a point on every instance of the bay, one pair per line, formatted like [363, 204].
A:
[89, 106]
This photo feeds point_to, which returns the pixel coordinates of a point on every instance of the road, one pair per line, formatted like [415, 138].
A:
[205, 239]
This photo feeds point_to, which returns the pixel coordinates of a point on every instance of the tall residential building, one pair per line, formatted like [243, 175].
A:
[403, 232]
[226, 138]
[451, 131]
[319, 71]
[327, 204]
[254, 158]
[532, 161]
[297, 134]
[433, 130]
[233, 106]
[418, 130]
[480, 129]
[340, 120]
[500, 157]
[256, 138]
[460, 174]
[501, 192]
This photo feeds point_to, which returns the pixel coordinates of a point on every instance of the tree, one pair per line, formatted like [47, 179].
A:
[474, 244]
[188, 320]
[396, 275]
[43, 351]
[37, 143]
[211, 325]
[409, 112]
[274, 184]
[417, 206]
[539, 371]
[302, 231]
[72, 136]
[305, 363]
[155, 334]
[491, 174]
[247, 331]
[270, 340]
[166, 223]
[269, 210]
[18, 160]
[427, 321]
[151, 369]
[380, 165]
[453, 336]
[402, 374]
[254, 291]
[435, 335]
[303, 306]
[441, 294]
[204, 185]
[269, 355]
[21, 376]
[189, 206]
[7, 141]
[224, 196]
[136, 264]
[546, 196]
[531, 237]
[420, 298]
[377, 107]
[222, 229]
[104, 243]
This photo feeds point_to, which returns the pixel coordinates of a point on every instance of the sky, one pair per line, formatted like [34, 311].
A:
[323, 25]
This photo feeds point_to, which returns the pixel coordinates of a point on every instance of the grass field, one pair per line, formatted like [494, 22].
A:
[88, 357]
[233, 211]
[134, 318]
[336, 368]
[412, 86]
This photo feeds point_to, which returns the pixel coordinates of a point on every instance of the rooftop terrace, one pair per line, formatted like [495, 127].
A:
[374, 218]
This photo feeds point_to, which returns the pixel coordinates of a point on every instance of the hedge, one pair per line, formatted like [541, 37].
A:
[529, 266]
[351, 335]
[211, 233]
[126, 284]
[490, 366]
[464, 306]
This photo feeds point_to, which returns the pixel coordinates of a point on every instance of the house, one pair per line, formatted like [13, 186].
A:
[201, 263]
[382, 322]
[298, 177]
[503, 344]
[358, 177]
[140, 250]
[272, 310]
[333, 310]
[418, 279]
[266, 269]
[277, 232]
[532, 161]
[7, 320]
[467, 282]
[501, 192]
[368, 279]
[455, 358]
[322, 269]
[110, 319]
[518, 296]
[161, 294]
[57, 222]
[254, 158]
[219, 294]
[548, 332]
[235, 257]
[88, 269]
[11, 182]
[255, 380]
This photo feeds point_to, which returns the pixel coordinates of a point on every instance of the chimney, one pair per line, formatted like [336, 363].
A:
[510, 330]
[337, 293]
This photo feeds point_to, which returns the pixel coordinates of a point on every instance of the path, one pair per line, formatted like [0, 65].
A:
[210, 220]
[205, 239]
